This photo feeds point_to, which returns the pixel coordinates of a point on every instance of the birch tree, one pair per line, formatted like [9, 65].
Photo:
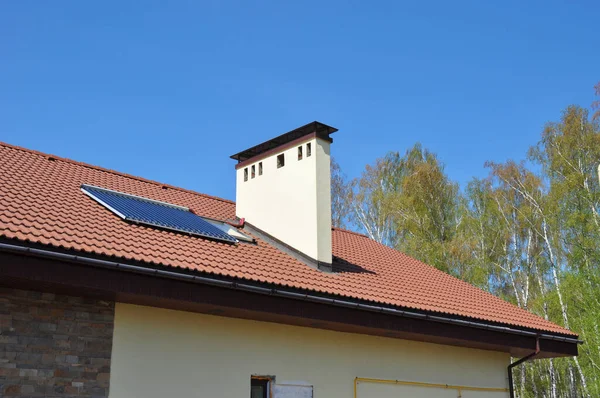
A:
[596, 104]
[341, 196]
[371, 198]
[529, 233]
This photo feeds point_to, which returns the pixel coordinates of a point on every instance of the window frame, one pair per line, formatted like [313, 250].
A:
[280, 160]
[261, 381]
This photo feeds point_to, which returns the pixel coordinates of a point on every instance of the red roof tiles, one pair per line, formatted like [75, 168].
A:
[41, 201]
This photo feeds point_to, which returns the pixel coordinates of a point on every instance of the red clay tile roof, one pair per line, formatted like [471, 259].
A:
[41, 202]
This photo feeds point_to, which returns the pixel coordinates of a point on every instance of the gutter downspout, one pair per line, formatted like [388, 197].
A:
[520, 361]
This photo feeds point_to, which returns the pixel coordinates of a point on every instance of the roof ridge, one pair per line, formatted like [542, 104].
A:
[119, 173]
[352, 232]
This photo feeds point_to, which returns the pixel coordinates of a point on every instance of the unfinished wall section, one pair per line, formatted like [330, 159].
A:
[53, 345]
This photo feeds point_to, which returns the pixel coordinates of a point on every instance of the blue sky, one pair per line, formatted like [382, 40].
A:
[169, 90]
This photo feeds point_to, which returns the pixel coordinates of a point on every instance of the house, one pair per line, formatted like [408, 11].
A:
[114, 285]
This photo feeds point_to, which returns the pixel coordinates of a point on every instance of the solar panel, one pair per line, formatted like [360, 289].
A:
[151, 212]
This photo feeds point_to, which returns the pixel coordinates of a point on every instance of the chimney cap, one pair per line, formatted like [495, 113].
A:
[320, 129]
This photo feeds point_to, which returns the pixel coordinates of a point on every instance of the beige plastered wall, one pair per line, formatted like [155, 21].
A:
[161, 353]
[292, 203]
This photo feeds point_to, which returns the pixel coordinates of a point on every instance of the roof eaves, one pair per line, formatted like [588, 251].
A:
[273, 289]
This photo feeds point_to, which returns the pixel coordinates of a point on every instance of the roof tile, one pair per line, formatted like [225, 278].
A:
[41, 201]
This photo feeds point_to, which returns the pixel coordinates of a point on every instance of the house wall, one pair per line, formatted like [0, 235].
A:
[293, 202]
[53, 345]
[165, 353]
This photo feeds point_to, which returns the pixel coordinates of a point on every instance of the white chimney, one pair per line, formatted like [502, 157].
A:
[283, 189]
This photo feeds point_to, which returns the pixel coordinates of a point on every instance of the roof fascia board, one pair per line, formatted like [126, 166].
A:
[273, 291]
[32, 272]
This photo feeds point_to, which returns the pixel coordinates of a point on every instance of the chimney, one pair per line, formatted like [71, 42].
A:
[283, 190]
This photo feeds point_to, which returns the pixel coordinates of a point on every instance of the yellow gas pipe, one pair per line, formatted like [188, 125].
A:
[459, 389]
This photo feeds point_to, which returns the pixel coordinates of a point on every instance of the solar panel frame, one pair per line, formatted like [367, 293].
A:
[155, 213]
[230, 230]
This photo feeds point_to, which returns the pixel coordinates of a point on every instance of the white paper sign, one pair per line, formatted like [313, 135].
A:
[292, 391]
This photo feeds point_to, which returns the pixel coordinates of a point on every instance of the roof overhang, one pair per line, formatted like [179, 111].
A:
[39, 267]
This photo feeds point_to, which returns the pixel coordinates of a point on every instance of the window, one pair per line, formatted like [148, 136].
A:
[259, 168]
[308, 149]
[259, 387]
[246, 174]
[253, 171]
[300, 153]
[280, 160]
[265, 387]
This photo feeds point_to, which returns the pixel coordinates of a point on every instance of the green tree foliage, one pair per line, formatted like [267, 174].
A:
[529, 233]
[425, 210]
[596, 104]
[341, 196]
[371, 197]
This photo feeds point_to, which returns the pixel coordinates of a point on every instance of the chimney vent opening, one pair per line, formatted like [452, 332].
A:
[304, 187]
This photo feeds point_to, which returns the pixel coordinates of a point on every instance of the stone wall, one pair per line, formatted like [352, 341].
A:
[53, 345]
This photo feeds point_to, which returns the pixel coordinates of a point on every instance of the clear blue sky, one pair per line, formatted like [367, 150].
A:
[169, 89]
